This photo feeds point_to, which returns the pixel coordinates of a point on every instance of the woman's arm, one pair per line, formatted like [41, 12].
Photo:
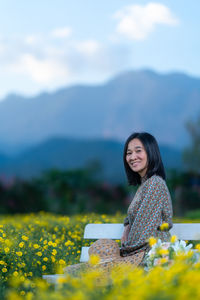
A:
[125, 234]
[149, 214]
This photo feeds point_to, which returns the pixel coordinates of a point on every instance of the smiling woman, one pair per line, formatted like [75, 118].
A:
[151, 205]
[149, 210]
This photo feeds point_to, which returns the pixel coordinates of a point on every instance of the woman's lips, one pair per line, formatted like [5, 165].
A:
[134, 164]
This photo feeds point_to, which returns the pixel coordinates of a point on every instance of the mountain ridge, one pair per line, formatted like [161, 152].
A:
[65, 153]
[132, 101]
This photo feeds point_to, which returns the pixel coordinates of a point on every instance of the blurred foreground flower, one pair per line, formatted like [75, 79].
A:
[94, 260]
[152, 241]
[165, 252]
[164, 226]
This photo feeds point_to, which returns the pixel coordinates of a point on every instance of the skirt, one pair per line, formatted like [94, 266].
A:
[108, 252]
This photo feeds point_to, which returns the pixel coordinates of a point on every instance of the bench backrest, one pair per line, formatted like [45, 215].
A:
[184, 231]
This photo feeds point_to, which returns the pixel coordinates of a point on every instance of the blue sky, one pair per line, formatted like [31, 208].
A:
[48, 44]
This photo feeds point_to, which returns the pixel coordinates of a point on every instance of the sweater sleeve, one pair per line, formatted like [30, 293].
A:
[149, 214]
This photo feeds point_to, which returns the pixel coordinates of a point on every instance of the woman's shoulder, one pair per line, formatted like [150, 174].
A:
[155, 181]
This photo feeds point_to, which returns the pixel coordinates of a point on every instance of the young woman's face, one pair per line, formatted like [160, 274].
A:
[136, 157]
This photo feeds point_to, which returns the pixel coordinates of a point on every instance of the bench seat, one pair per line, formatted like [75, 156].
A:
[183, 231]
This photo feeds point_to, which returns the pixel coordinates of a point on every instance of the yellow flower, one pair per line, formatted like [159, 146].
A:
[94, 259]
[19, 253]
[173, 239]
[38, 253]
[163, 260]
[152, 241]
[54, 252]
[189, 254]
[36, 246]
[62, 262]
[163, 252]
[7, 250]
[164, 226]
[2, 262]
[53, 259]
[197, 247]
[21, 245]
[25, 238]
[44, 268]
[22, 293]
[45, 259]
[22, 278]
[69, 243]
[4, 270]
[15, 273]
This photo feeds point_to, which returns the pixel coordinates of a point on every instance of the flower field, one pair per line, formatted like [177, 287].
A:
[36, 244]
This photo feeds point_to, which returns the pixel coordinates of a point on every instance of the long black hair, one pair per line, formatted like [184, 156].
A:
[154, 160]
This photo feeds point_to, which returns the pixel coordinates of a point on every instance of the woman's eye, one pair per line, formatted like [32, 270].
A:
[138, 151]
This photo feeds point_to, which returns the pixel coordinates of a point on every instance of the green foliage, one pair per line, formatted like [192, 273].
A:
[193, 214]
[70, 192]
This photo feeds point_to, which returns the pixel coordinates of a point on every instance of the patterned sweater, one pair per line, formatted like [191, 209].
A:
[150, 207]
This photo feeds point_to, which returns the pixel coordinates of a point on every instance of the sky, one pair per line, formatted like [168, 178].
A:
[49, 44]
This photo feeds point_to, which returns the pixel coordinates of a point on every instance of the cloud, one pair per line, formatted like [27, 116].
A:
[2, 49]
[33, 39]
[40, 70]
[88, 47]
[64, 32]
[40, 61]
[136, 22]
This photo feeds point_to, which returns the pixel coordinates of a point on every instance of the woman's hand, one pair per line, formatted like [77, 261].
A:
[125, 234]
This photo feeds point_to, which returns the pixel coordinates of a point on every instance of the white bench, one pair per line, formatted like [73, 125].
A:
[183, 231]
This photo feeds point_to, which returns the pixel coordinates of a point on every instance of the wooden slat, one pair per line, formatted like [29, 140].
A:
[84, 254]
[186, 231]
[103, 231]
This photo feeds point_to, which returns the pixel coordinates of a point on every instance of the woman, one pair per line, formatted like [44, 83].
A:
[151, 205]
[149, 209]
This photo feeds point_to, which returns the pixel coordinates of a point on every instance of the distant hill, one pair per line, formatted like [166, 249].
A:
[135, 100]
[65, 153]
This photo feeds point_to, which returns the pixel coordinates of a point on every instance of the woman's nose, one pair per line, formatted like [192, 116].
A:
[133, 156]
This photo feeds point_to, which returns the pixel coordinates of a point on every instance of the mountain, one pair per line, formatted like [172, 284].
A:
[132, 101]
[62, 153]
